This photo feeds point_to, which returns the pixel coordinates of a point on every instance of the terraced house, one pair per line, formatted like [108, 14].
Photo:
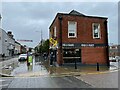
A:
[80, 38]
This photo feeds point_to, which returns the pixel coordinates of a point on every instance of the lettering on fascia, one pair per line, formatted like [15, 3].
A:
[68, 45]
[87, 45]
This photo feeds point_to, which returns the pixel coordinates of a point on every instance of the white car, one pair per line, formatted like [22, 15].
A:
[22, 57]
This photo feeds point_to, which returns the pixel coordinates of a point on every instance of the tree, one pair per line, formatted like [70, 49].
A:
[44, 47]
[36, 49]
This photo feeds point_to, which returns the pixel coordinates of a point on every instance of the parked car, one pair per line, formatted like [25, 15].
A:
[117, 58]
[22, 57]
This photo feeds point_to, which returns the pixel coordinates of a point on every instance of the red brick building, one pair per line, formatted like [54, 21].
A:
[114, 51]
[80, 37]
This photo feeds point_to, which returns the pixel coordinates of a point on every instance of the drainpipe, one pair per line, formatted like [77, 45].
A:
[107, 48]
[60, 38]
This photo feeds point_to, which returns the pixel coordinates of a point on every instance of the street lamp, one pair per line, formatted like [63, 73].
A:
[40, 35]
[40, 43]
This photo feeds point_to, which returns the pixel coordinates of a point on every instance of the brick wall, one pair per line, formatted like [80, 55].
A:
[84, 29]
[90, 55]
[93, 55]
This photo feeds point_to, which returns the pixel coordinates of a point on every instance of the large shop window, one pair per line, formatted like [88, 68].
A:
[72, 29]
[70, 55]
[96, 30]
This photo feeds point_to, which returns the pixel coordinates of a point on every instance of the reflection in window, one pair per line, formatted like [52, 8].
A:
[96, 30]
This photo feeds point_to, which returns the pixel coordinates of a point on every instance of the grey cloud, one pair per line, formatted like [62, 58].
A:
[25, 18]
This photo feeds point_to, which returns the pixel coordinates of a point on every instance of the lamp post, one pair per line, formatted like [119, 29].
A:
[40, 43]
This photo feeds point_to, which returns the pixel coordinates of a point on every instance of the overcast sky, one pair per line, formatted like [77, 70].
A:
[27, 19]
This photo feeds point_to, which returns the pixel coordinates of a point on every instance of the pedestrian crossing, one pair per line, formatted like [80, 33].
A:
[4, 82]
[2, 85]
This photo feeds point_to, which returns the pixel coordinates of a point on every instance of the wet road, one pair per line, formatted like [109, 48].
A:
[36, 69]
[106, 80]
[36, 76]
[4, 82]
[48, 82]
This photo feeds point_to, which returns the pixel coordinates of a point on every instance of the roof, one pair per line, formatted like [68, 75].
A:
[76, 13]
[73, 12]
[17, 42]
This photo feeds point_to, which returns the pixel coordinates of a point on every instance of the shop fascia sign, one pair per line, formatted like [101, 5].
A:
[68, 45]
[78, 45]
[87, 45]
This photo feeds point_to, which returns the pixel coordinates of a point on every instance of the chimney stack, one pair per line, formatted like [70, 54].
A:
[10, 34]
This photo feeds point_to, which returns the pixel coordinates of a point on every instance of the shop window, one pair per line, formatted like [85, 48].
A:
[70, 55]
[72, 29]
[96, 30]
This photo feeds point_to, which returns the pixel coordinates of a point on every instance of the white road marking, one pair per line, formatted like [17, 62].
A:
[4, 85]
[1, 80]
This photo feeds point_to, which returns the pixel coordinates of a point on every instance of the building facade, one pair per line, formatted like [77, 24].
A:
[80, 38]
[7, 43]
[114, 51]
[17, 48]
[3, 43]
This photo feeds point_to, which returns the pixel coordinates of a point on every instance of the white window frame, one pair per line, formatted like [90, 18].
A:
[99, 34]
[72, 32]
[55, 34]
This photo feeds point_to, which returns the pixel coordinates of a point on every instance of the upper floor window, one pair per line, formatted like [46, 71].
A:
[96, 30]
[72, 26]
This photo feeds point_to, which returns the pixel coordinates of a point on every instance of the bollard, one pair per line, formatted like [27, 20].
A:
[97, 66]
[75, 64]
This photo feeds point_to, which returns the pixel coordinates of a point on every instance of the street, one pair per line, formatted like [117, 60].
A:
[48, 82]
[37, 76]
[106, 80]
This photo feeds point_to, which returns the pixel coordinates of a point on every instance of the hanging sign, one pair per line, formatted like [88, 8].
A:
[54, 42]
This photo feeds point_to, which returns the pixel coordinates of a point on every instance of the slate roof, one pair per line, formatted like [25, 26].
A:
[73, 12]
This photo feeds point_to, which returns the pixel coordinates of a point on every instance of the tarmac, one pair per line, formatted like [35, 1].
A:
[104, 78]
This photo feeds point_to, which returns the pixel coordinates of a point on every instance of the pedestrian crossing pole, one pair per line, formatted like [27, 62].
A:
[97, 66]
[75, 64]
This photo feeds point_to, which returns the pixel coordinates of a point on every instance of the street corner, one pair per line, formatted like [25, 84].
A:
[88, 71]
[100, 79]
[99, 72]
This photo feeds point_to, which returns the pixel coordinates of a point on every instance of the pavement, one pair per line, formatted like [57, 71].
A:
[6, 58]
[81, 69]
[8, 62]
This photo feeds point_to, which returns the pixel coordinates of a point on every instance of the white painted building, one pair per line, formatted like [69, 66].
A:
[17, 48]
[11, 43]
[3, 43]
[7, 43]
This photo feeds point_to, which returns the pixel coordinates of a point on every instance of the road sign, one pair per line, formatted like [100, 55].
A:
[21, 40]
[54, 42]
